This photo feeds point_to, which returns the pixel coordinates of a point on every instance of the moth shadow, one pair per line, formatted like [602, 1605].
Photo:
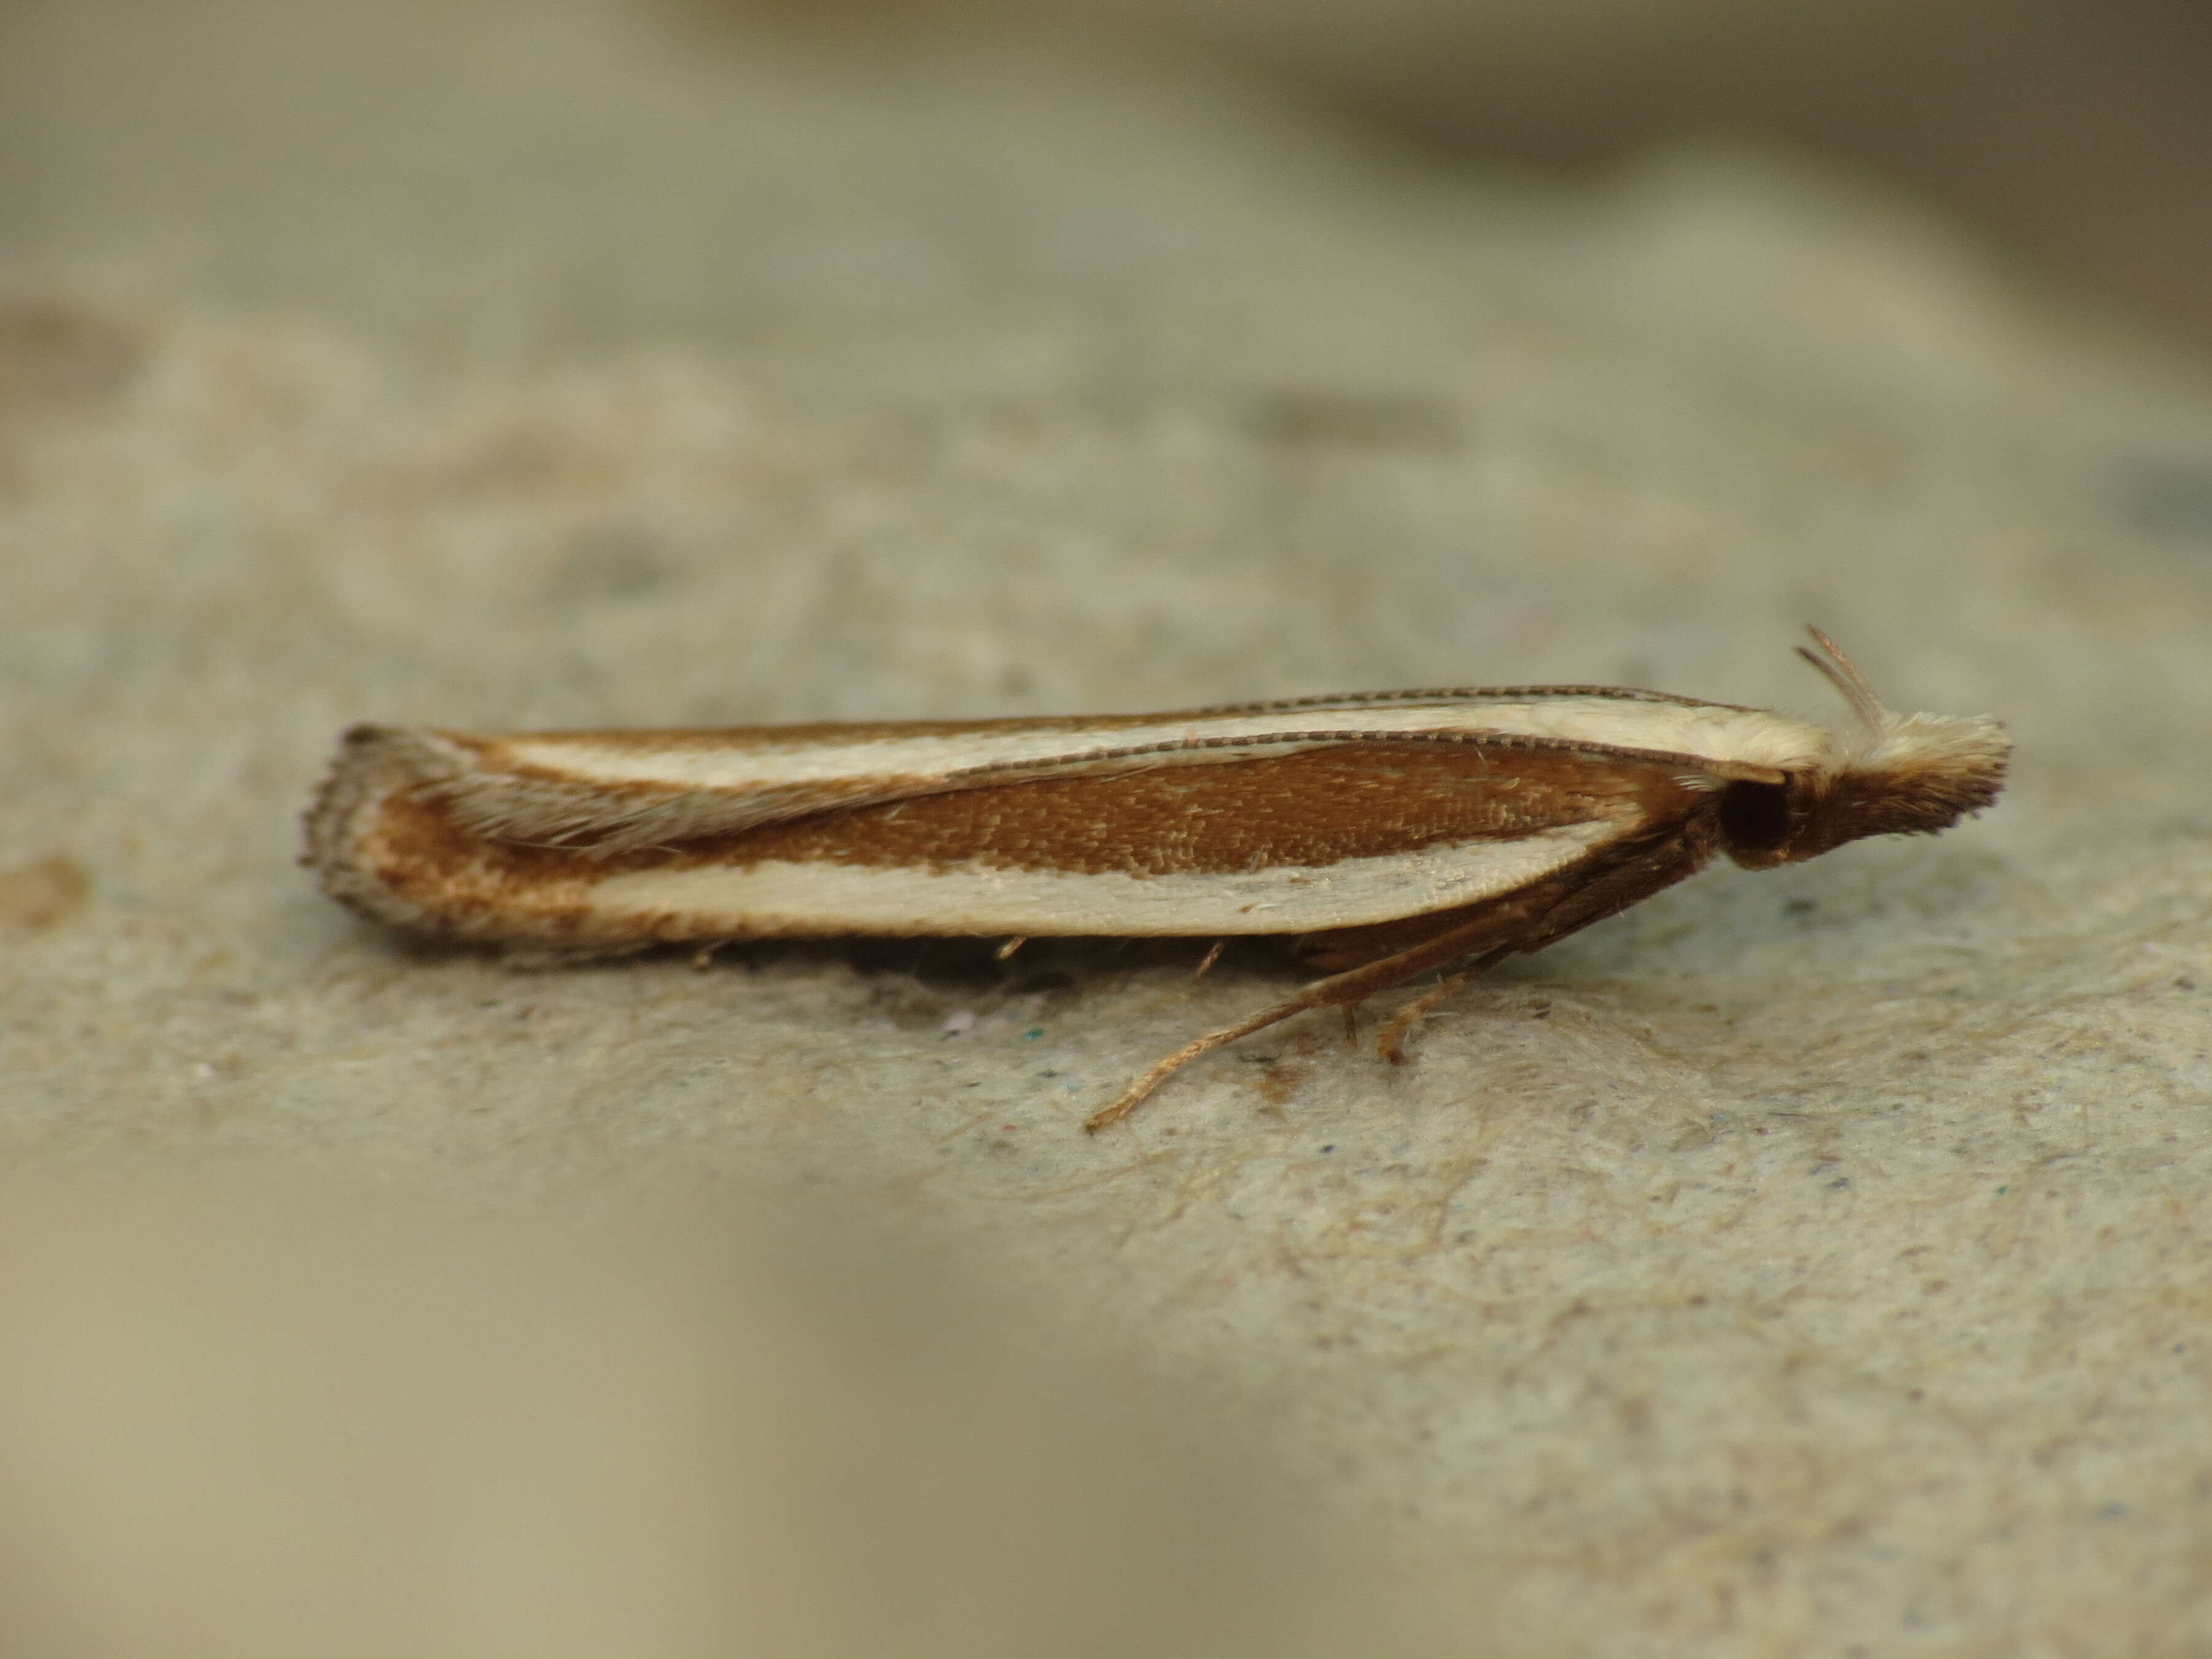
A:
[948, 965]
[1036, 966]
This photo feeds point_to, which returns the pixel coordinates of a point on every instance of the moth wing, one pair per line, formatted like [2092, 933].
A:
[593, 792]
[544, 807]
[607, 793]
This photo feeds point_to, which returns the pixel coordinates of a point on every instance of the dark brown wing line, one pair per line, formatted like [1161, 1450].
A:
[978, 775]
[1466, 694]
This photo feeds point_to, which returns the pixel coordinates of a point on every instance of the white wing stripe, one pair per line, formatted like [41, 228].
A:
[1712, 732]
[815, 898]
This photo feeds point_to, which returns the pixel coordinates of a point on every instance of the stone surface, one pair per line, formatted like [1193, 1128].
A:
[1805, 1262]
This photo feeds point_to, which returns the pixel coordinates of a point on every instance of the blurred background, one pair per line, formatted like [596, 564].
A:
[2078, 131]
[268, 1415]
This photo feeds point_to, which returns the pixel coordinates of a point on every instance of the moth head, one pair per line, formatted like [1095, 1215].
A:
[1899, 774]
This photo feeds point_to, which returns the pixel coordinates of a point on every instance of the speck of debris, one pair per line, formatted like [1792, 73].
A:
[43, 893]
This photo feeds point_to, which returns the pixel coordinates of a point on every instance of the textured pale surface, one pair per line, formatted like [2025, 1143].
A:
[1807, 1262]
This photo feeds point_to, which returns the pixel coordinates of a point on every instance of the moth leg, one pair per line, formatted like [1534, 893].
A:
[1212, 956]
[1346, 989]
[1391, 1045]
[1387, 955]
[1133, 1096]
[1010, 947]
[1479, 936]
[1352, 1025]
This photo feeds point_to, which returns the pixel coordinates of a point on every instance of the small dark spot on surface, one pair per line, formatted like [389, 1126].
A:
[615, 561]
[2165, 497]
[2183, 982]
[2112, 1511]
[1838, 1183]
[1329, 1149]
[57, 357]
[1276, 1083]
[1320, 416]
[44, 893]
[1800, 906]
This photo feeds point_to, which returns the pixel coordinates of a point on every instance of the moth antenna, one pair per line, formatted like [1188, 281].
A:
[1845, 676]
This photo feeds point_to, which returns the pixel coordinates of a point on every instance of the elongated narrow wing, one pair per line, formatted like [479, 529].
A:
[607, 793]
[1232, 828]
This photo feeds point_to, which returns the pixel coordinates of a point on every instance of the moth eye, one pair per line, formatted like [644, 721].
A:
[1755, 817]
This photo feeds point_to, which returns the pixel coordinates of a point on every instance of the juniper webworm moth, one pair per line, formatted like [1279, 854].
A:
[1383, 836]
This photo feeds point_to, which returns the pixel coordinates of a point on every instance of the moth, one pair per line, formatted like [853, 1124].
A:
[1381, 835]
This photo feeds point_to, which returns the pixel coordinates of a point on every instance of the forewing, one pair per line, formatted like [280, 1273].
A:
[1339, 836]
[610, 793]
